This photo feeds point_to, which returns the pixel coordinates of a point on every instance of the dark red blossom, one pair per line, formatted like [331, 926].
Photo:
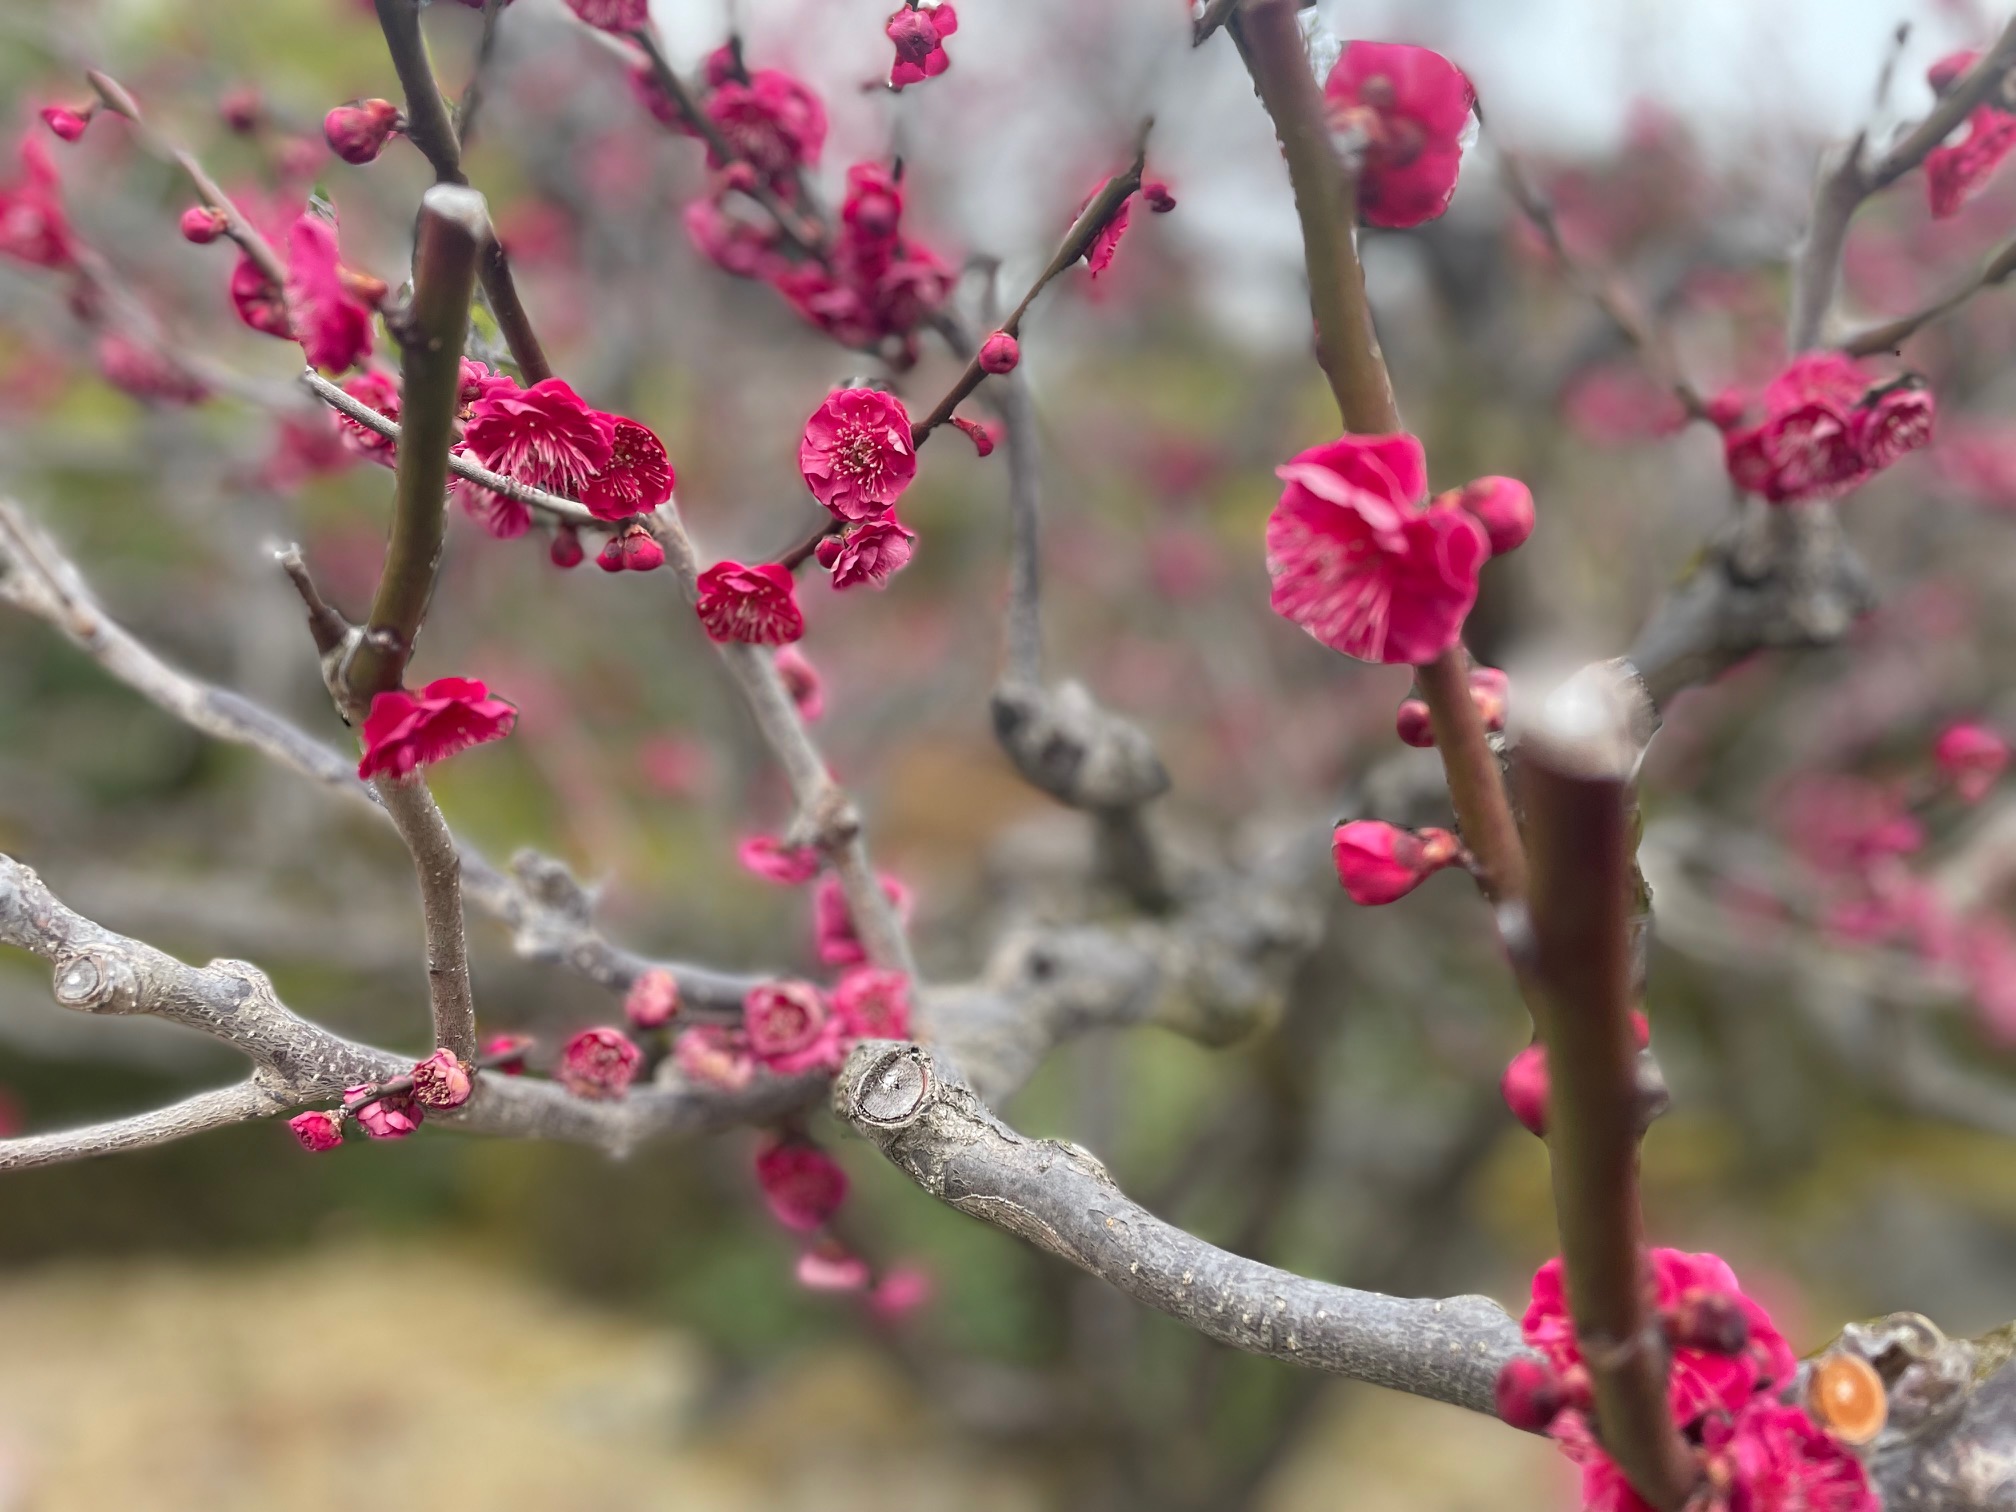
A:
[393, 1116]
[566, 550]
[1503, 506]
[637, 477]
[1972, 757]
[756, 604]
[1406, 109]
[919, 34]
[68, 124]
[1955, 172]
[1360, 564]
[1826, 428]
[743, 247]
[803, 1185]
[378, 390]
[545, 435]
[984, 437]
[870, 552]
[631, 550]
[999, 353]
[330, 315]
[613, 15]
[599, 1064]
[317, 1131]
[790, 1028]
[857, 455]
[260, 302]
[203, 224]
[405, 731]
[1524, 1086]
[33, 227]
[771, 119]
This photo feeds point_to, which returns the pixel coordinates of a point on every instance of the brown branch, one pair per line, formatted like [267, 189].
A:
[1058, 1197]
[1575, 772]
[431, 127]
[1602, 287]
[454, 225]
[218, 1109]
[1270, 42]
[450, 997]
[1476, 780]
[826, 814]
[1084, 228]
[1892, 334]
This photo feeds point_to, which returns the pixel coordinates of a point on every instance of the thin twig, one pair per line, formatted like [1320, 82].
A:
[471, 105]
[1476, 780]
[1892, 334]
[451, 998]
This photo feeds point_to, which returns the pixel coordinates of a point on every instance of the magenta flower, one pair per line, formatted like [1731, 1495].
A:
[1106, 242]
[1826, 428]
[145, 371]
[873, 1004]
[1897, 423]
[1381, 863]
[802, 682]
[872, 209]
[260, 302]
[653, 999]
[919, 34]
[903, 1290]
[331, 319]
[756, 605]
[68, 124]
[33, 227]
[203, 224]
[714, 1055]
[613, 15]
[856, 455]
[1524, 1087]
[1701, 1381]
[1357, 561]
[637, 477]
[833, 923]
[1410, 107]
[405, 731]
[734, 245]
[1956, 172]
[790, 1029]
[1972, 757]
[442, 1081]
[374, 389]
[829, 1267]
[999, 353]
[358, 132]
[546, 435]
[506, 1053]
[870, 552]
[599, 1064]
[391, 1117]
[317, 1131]
[771, 859]
[1777, 1456]
[773, 121]
[983, 436]
[803, 1185]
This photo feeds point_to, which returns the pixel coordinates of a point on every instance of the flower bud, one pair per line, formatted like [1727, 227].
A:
[640, 550]
[610, 557]
[1524, 1088]
[1503, 506]
[1971, 757]
[506, 1053]
[902, 1290]
[803, 1185]
[1379, 862]
[1528, 1394]
[1491, 692]
[830, 1268]
[391, 1117]
[66, 123]
[739, 175]
[983, 436]
[827, 552]
[566, 548]
[652, 1000]
[599, 1064]
[1412, 725]
[999, 353]
[441, 1081]
[203, 224]
[1156, 195]
[1713, 1321]
[241, 107]
[714, 1055]
[358, 133]
[317, 1130]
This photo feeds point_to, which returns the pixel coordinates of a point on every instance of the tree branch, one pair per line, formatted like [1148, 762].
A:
[1892, 334]
[1059, 1198]
[1476, 781]
[825, 811]
[431, 127]
[1575, 772]
[450, 996]
[239, 1103]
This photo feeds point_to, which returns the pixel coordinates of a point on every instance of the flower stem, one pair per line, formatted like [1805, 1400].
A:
[1476, 782]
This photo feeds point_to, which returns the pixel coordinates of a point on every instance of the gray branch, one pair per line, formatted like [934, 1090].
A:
[193, 1115]
[1057, 1197]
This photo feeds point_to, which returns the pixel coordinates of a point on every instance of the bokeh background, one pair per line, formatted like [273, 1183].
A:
[228, 1323]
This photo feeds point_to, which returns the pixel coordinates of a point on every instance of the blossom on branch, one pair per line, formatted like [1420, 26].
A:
[1360, 563]
[870, 552]
[833, 922]
[919, 34]
[1403, 111]
[771, 120]
[757, 605]
[714, 1055]
[329, 307]
[1972, 757]
[442, 1081]
[599, 1064]
[873, 1004]
[857, 455]
[393, 1116]
[636, 479]
[1827, 428]
[33, 227]
[358, 132]
[613, 15]
[1381, 863]
[1956, 171]
[545, 436]
[653, 999]
[771, 859]
[803, 1185]
[405, 731]
[316, 1130]
[790, 1028]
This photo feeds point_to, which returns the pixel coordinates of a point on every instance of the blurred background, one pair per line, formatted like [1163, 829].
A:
[227, 1323]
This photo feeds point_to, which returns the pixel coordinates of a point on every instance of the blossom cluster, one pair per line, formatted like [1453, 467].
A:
[1827, 427]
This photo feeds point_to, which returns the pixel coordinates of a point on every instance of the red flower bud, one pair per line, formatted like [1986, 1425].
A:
[66, 123]
[641, 551]
[829, 1267]
[506, 1053]
[983, 436]
[566, 548]
[1157, 196]
[1528, 1394]
[1412, 724]
[1972, 757]
[442, 1081]
[827, 552]
[653, 999]
[610, 557]
[201, 224]
[1381, 863]
[391, 1117]
[599, 1064]
[999, 353]
[241, 107]
[1491, 692]
[1503, 506]
[1524, 1088]
[358, 133]
[317, 1131]
[803, 1185]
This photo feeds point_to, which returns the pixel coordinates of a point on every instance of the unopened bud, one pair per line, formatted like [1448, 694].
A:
[1411, 723]
[317, 1131]
[1524, 1087]
[566, 549]
[1709, 1320]
[66, 123]
[641, 551]
[999, 353]
[1157, 196]
[653, 999]
[358, 133]
[1528, 1394]
[203, 224]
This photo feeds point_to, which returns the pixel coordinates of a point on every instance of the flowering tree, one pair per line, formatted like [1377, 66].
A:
[1651, 1367]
